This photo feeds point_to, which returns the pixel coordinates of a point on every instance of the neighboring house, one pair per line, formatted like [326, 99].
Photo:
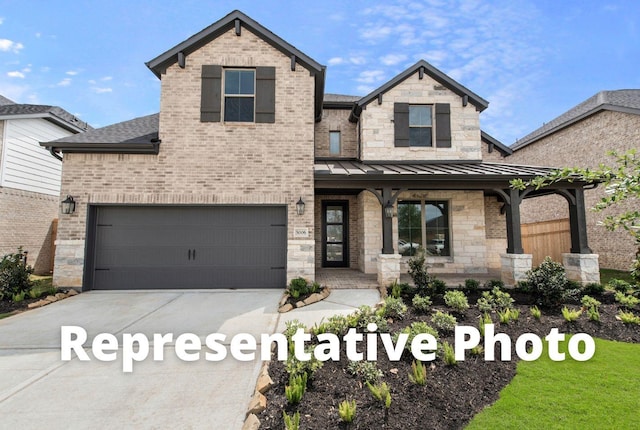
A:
[30, 178]
[581, 137]
[251, 176]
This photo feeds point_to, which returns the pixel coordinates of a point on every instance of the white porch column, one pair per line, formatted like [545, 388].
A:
[583, 268]
[514, 267]
[388, 269]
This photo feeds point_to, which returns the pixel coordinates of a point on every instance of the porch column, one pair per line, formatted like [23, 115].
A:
[578, 223]
[387, 223]
[514, 232]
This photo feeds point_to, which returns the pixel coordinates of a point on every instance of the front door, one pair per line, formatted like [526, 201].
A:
[335, 234]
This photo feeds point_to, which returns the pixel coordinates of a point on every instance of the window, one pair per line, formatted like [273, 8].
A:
[424, 225]
[334, 142]
[420, 125]
[239, 95]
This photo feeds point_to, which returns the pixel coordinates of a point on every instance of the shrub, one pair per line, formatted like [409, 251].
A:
[367, 314]
[291, 327]
[535, 312]
[18, 297]
[425, 283]
[571, 315]
[456, 300]
[619, 285]
[394, 308]
[414, 329]
[347, 411]
[448, 354]
[494, 300]
[308, 368]
[522, 287]
[589, 302]
[628, 318]
[625, 300]
[548, 283]
[14, 275]
[471, 285]
[298, 288]
[418, 373]
[593, 314]
[421, 303]
[593, 289]
[444, 321]
[291, 422]
[494, 283]
[366, 371]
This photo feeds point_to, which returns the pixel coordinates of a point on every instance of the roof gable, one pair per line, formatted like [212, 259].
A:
[53, 114]
[627, 101]
[421, 67]
[494, 143]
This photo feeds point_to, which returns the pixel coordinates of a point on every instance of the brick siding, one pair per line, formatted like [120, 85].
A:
[336, 120]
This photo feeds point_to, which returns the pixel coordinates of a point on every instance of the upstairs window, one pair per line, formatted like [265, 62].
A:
[420, 125]
[334, 143]
[239, 95]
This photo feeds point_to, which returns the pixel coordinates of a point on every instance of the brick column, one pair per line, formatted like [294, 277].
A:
[583, 268]
[388, 269]
[514, 267]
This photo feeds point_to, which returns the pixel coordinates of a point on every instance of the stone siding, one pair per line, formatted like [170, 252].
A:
[584, 144]
[26, 220]
[376, 122]
[208, 163]
[336, 120]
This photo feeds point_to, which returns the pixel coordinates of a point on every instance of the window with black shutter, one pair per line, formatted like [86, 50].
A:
[414, 125]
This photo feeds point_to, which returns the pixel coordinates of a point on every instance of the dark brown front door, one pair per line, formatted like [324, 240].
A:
[335, 234]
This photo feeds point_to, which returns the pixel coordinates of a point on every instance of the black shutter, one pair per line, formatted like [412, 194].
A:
[266, 94]
[401, 123]
[443, 125]
[210, 104]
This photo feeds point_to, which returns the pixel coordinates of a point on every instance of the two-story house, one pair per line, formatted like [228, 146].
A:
[30, 178]
[250, 176]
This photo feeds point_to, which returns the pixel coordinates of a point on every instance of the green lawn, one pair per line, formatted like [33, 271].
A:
[602, 393]
[608, 274]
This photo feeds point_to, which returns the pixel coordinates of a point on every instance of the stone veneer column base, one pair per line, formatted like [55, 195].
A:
[301, 259]
[514, 267]
[583, 268]
[388, 269]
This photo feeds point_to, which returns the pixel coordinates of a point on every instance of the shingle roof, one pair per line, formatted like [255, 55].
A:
[340, 98]
[618, 100]
[54, 113]
[6, 101]
[139, 135]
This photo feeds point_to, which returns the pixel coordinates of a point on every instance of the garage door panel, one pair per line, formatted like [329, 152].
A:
[152, 247]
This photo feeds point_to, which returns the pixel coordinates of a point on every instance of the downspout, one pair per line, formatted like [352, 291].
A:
[54, 153]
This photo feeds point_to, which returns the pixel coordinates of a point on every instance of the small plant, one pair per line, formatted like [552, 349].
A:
[367, 314]
[571, 315]
[308, 368]
[425, 283]
[593, 314]
[394, 308]
[508, 315]
[438, 286]
[471, 285]
[366, 371]
[381, 393]
[296, 388]
[589, 302]
[347, 411]
[593, 289]
[625, 300]
[494, 283]
[494, 300]
[444, 321]
[421, 303]
[548, 283]
[291, 422]
[619, 285]
[628, 318]
[14, 275]
[418, 373]
[535, 312]
[456, 300]
[484, 319]
[18, 297]
[448, 353]
[298, 288]
[414, 329]
[477, 350]
[395, 290]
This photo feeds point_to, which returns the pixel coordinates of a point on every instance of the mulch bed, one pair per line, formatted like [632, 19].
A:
[452, 395]
[7, 306]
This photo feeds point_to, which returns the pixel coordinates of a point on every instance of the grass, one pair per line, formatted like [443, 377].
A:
[597, 394]
[608, 274]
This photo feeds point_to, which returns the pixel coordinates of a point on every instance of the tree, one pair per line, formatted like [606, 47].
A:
[621, 183]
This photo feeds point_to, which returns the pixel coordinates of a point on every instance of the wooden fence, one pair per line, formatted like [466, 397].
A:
[546, 238]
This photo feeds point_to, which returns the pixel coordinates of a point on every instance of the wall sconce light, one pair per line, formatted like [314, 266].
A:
[388, 209]
[300, 207]
[68, 205]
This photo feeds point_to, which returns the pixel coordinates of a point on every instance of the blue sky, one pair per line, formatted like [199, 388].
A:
[532, 60]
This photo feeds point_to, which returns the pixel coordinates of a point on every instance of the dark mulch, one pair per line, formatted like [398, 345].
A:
[8, 306]
[452, 395]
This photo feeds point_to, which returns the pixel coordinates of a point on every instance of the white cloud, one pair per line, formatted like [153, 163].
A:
[15, 74]
[92, 81]
[364, 89]
[106, 78]
[371, 76]
[335, 61]
[376, 33]
[99, 90]
[392, 59]
[358, 61]
[71, 72]
[7, 45]
[64, 83]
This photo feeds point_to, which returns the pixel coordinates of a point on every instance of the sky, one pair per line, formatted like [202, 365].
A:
[532, 60]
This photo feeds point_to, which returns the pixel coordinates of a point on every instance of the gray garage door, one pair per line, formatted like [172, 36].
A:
[151, 247]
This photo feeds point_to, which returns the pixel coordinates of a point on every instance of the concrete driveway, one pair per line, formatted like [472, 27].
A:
[39, 390]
